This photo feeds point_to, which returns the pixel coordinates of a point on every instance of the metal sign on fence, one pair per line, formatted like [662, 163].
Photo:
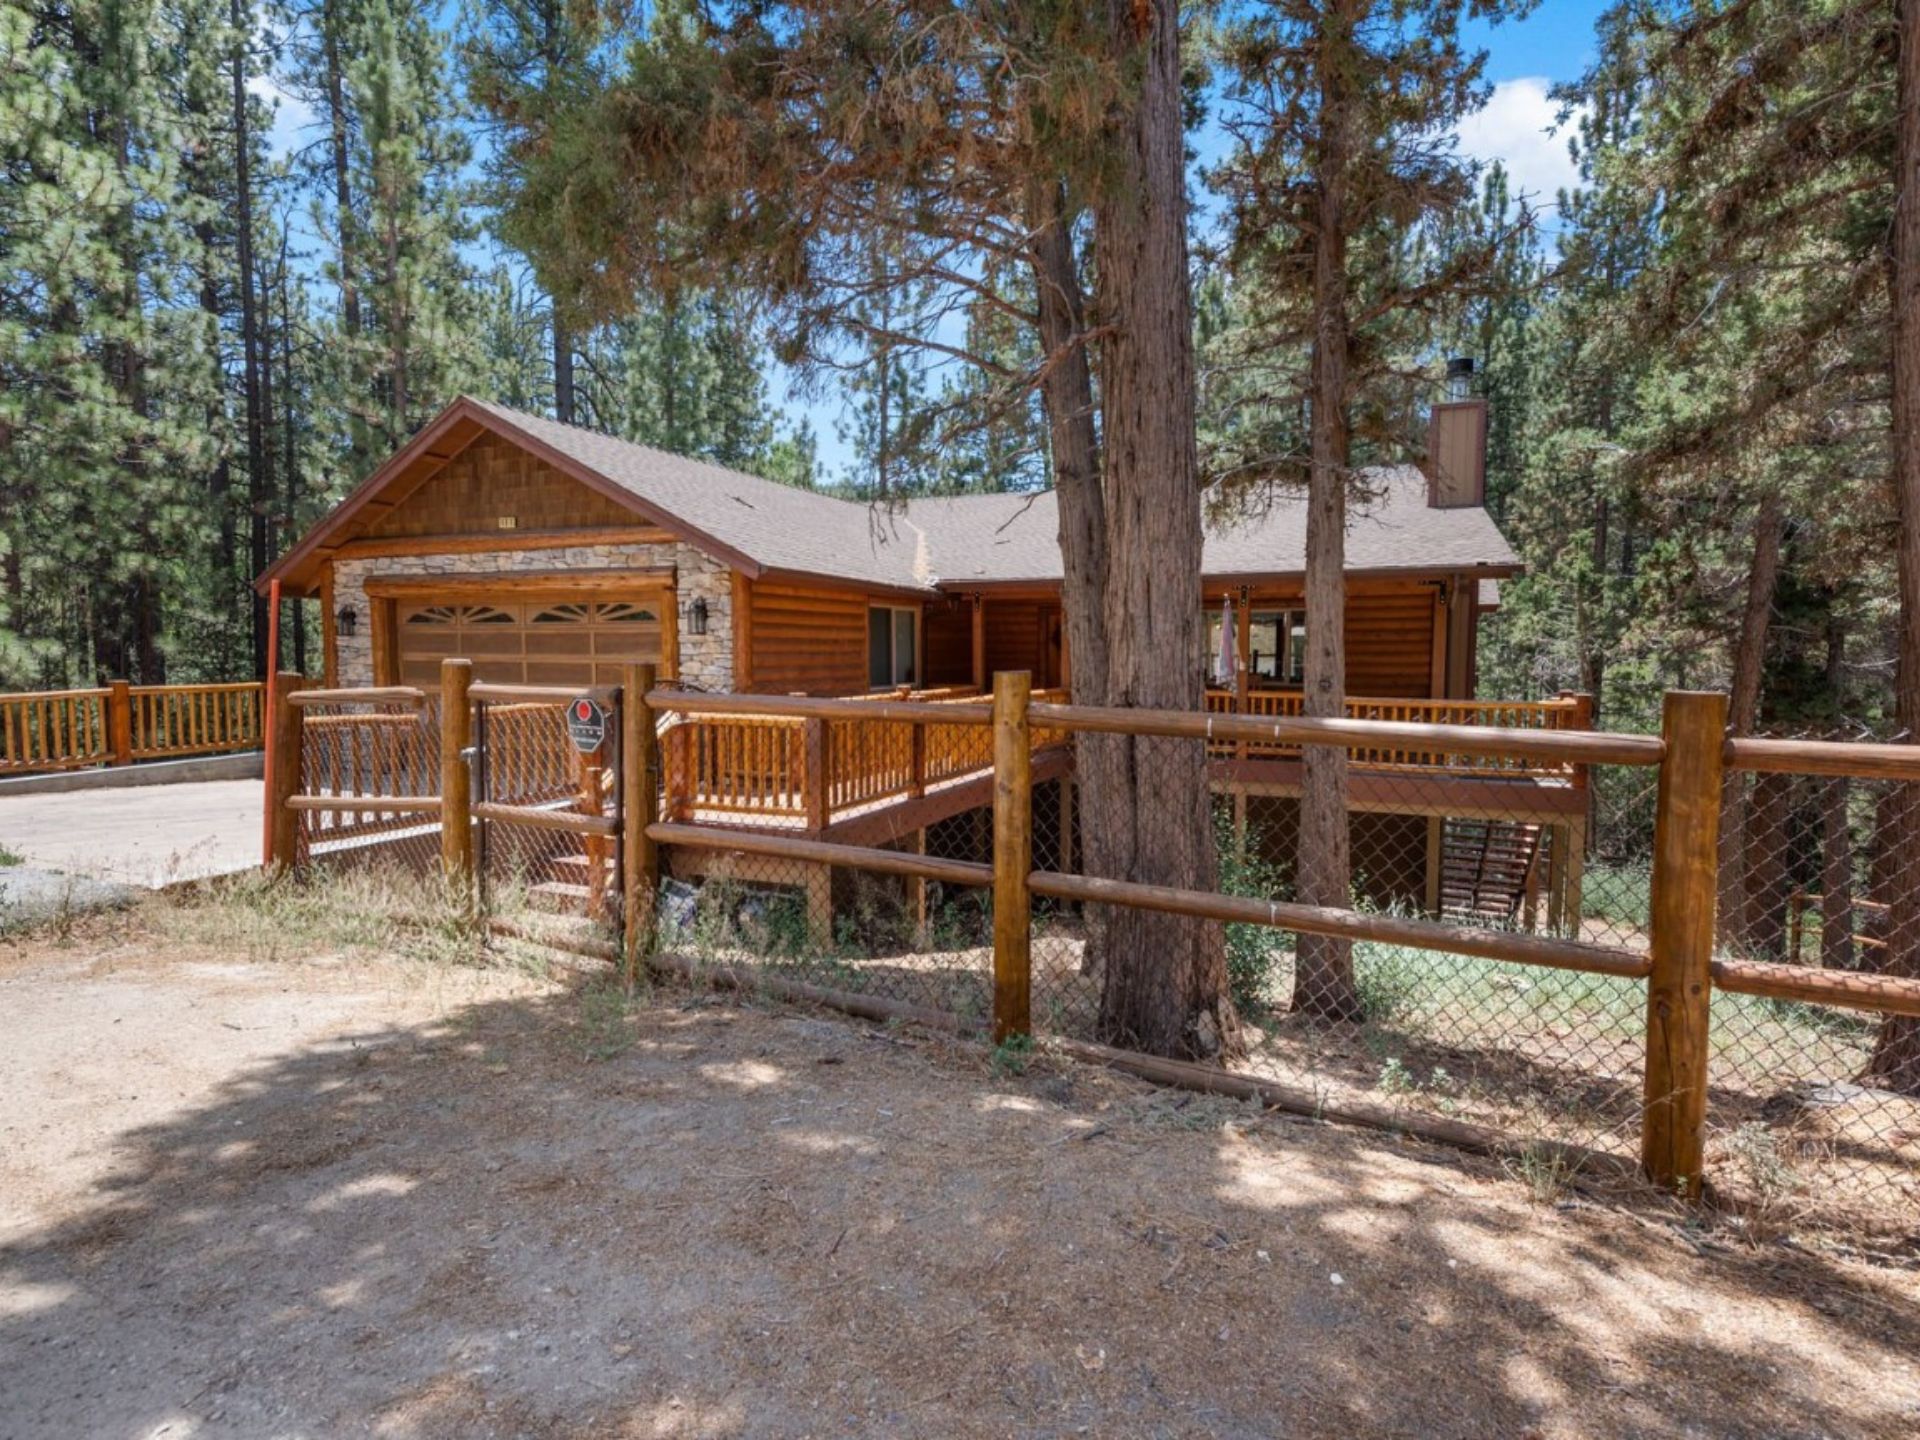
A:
[586, 724]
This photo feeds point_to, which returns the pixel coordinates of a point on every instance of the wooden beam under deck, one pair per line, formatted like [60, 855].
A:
[1412, 792]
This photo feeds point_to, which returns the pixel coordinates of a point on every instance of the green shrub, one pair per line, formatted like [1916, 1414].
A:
[1254, 952]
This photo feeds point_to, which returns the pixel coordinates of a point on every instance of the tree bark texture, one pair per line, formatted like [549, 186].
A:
[1165, 988]
[1323, 975]
[1743, 711]
[1896, 1055]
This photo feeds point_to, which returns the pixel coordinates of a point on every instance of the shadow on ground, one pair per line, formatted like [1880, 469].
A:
[550, 1216]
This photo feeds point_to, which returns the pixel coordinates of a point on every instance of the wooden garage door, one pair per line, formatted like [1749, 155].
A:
[530, 642]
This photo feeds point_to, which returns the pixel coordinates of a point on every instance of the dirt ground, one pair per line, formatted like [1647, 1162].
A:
[354, 1196]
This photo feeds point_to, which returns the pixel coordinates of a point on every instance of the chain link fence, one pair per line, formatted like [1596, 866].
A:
[529, 782]
[920, 788]
[1815, 1110]
[1478, 955]
[369, 783]
[1532, 1051]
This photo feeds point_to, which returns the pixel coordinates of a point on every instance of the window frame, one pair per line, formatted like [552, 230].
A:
[912, 667]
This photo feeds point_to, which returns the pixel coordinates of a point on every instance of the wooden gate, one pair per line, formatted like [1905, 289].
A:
[547, 810]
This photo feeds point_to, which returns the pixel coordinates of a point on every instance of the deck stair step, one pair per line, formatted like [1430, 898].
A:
[562, 897]
[1486, 867]
[575, 868]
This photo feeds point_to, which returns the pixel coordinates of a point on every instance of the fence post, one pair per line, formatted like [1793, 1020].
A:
[1679, 990]
[120, 721]
[639, 808]
[1012, 856]
[456, 780]
[818, 799]
[283, 776]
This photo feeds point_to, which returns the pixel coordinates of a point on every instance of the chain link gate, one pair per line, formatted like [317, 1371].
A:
[547, 812]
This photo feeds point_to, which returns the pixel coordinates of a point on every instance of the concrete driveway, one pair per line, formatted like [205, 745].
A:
[154, 835]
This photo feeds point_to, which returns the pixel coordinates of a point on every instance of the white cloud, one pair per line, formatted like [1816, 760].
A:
[1518, 126]
[291, 114]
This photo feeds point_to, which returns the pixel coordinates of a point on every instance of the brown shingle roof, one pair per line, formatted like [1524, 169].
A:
[776, 526]
[988, 539]
[955, 542]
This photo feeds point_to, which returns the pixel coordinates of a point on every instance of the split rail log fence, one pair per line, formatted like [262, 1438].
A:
[769, 761]
[122, 724]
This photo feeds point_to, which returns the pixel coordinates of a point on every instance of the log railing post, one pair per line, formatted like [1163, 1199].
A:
[1685, 855]
[120, 722]
[456, 779]
[1012, 856]
[283, 775]
[639, 808]
[818, 796]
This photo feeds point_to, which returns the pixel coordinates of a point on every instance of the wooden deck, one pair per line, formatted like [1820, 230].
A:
[879, 782]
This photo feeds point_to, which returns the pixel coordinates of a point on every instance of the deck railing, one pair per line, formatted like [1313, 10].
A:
[120, 724]
[1563, 712]
[808, 769]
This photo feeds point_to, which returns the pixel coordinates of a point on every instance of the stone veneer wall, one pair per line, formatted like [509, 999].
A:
[705, 660]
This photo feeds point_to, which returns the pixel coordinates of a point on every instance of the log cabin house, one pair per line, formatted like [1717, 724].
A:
[552, 555]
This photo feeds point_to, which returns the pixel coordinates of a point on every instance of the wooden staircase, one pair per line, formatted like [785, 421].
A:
[1486, 867]
[569, 889]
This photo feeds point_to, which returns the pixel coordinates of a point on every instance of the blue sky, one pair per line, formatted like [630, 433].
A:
[1524, 60]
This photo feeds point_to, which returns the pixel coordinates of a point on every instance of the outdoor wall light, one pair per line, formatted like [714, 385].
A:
[347, 618]
[697, 617]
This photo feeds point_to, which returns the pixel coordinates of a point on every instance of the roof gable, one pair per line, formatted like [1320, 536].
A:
[493, 485]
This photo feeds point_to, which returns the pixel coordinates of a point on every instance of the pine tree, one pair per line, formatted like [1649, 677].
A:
[1342, 115]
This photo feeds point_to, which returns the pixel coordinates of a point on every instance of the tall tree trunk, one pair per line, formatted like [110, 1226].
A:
[1165, 989]
[259, 486]
[1743, 710]
[562, 371]
[1896, 1054]
[346, 226]
[1769, 881]
[1066, 391]
[1836, 830]
[1323, 974]
[1591, 593]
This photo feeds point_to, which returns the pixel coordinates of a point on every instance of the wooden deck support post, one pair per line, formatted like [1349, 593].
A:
[917, 891]
[639, 809]
[1436, 856]
[1066, 824]
[979, 643]
[456, 779]
[120, 722]
[1685, 866]
[283, 777]
[1012, 856]
[819, 888]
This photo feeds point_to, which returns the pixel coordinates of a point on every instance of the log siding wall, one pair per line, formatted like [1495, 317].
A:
[494, 480]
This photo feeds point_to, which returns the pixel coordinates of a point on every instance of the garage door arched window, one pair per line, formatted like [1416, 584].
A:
[560, 641]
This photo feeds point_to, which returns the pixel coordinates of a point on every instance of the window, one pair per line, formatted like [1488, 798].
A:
[1276, 645]
[892, 636]
[1279, 646]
